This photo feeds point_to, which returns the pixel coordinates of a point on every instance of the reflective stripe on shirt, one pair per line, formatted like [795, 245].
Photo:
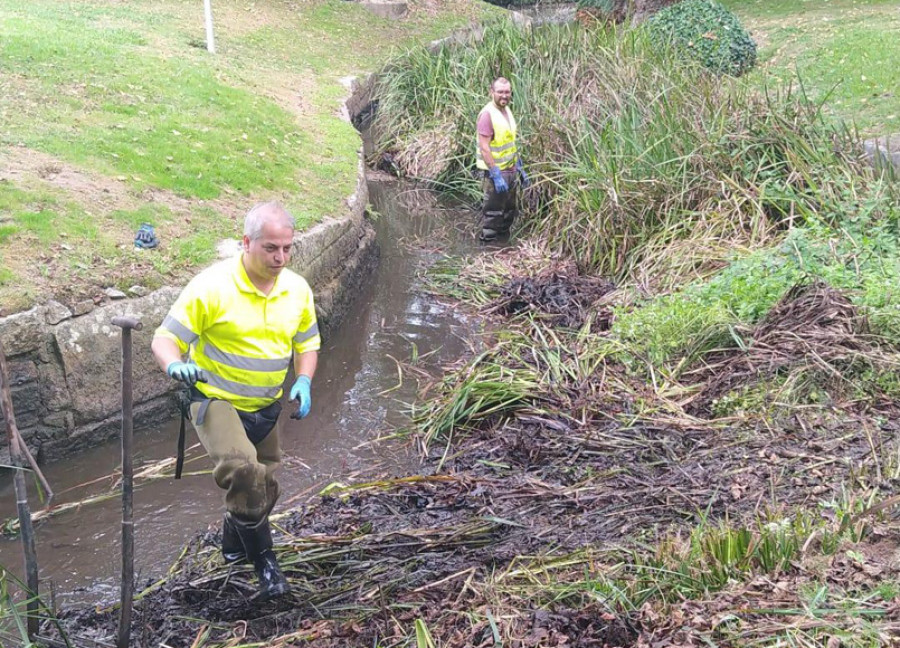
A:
[308, 334]
[243, 362]
[179, 330]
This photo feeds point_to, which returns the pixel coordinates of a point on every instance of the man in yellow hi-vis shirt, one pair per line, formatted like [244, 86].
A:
[240, 322]
[497, 156]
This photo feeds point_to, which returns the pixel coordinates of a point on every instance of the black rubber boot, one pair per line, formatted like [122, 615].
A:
[487, 235]
[257, 541]
[232, 547]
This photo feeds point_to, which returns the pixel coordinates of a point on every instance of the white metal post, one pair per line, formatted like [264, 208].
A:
[207, 10]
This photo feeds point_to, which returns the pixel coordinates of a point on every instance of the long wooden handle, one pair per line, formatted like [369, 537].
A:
[26, 530]
[128, 324]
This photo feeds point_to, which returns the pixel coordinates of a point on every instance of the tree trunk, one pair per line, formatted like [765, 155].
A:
[643, 9]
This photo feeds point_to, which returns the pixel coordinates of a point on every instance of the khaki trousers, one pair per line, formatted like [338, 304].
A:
[244, 470]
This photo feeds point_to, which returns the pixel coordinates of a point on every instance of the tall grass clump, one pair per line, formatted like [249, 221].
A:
[512, 379]
[639, 156]
[15, 603]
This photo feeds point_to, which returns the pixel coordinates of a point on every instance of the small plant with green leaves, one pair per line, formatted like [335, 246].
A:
[15, 601]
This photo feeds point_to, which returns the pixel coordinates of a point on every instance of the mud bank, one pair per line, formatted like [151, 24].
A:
[64, 362]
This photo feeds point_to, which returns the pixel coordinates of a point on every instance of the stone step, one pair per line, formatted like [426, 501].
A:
[390, 9]
[883, 150]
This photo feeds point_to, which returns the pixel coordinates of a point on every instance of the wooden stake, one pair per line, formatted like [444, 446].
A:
[127, 323]
[26, 529]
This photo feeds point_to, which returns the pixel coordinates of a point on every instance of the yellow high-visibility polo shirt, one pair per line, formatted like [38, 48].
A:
[503, 145]
[240, 337]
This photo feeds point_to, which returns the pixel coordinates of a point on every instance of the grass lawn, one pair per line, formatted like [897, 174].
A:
[845, 51]
[113, 113]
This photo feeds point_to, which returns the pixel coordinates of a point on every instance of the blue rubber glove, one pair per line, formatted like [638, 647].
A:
[186, 372]
[526, 181]
[300, 393]
[500, 185]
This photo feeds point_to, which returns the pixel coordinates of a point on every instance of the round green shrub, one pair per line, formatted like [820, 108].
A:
[707, 32]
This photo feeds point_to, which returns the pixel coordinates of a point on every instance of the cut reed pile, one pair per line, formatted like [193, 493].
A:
[813, 329]
[561, 293]
[729, 523]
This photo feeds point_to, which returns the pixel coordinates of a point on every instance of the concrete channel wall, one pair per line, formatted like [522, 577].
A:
[65, 367]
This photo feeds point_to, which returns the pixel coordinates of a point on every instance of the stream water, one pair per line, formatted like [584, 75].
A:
[359, 392]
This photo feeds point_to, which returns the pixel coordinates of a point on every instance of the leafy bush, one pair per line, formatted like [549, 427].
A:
[603, 5]
[707, 32]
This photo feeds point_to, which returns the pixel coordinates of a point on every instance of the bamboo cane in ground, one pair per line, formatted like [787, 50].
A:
[127, 324]
[27, 530]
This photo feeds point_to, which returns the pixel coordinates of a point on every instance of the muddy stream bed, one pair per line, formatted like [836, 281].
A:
[359, 391]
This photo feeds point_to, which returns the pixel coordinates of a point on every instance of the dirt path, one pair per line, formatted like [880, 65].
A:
[26, 167]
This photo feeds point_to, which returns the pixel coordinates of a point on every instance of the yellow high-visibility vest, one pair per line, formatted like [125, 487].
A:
[240, 337]
[503, 145]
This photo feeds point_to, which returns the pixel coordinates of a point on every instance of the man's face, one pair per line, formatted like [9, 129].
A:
[501, 93]
[268, 255]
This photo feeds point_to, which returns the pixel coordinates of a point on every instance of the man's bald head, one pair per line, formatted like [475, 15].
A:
[267, 212]
[500, 81]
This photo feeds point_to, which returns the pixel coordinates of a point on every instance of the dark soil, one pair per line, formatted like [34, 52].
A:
[563, 295]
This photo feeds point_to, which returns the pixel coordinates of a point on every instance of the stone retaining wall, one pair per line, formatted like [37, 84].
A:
[65, 369]
[884, 152]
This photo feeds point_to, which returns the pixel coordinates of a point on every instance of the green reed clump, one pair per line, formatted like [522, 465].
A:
[634, 151]
[531, 369]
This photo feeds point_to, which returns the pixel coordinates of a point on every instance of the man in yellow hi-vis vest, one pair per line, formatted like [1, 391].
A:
[498, 158]
[241, 322]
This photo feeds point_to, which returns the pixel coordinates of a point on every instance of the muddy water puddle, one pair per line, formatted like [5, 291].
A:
[360, 391]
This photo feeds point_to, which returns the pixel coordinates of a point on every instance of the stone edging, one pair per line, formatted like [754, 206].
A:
[883, 152]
